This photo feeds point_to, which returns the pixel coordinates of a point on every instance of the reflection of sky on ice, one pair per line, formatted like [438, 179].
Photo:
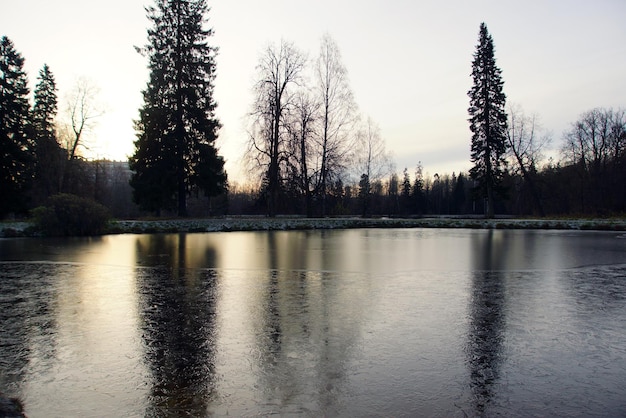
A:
[341, 323]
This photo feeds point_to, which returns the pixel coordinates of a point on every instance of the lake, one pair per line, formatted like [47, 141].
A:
[364, 322]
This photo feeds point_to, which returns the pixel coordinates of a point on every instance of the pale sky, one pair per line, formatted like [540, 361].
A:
[409, 62]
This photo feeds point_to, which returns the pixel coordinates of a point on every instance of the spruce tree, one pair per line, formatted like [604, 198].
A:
[15, 140]
[488, 122]
[48, 154]
[45, 106]
[177, 126]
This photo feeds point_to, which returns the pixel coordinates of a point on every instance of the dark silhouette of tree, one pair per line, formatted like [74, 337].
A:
[393, 199]
[210, 176]
[50, 157]
[418, 194]
[269, 144]
[488, 122]
[16, 145]
[45, 106]
[302, 133]
[365, 190]
[177, 121]
[458, 194]
[405, 193]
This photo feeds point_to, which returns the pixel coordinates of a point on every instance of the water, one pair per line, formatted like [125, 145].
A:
[375, 323]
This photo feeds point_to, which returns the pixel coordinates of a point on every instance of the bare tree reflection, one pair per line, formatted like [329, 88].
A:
[307, 327]
[177, 312]
[487, 323]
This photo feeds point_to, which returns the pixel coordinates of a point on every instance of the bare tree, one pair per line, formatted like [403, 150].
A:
[302, 131]
[594, 144]
[338, 114]
[596, 138]
[280, 71]
[371, 159]
[81, 113]
[526, 142]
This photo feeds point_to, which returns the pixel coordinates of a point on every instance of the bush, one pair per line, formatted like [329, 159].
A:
[70, 215]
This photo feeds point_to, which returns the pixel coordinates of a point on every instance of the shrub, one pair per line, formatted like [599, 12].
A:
[70, 215]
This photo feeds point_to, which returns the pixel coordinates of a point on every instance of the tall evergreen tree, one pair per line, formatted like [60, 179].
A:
[177, 126]
[488, 122]
[48, 154]
[15, 140]
[405, 192]
[419, 197]
[45, 106]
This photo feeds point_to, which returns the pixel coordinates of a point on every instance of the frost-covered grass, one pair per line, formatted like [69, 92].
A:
[12, 229]
[294, 223]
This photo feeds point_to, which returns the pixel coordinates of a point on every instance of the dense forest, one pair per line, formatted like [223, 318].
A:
[310, 152]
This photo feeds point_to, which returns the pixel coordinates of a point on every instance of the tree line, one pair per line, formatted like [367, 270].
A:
[311, 150]
[315, 155]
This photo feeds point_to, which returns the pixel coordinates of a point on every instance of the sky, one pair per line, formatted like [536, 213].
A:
[408, 61]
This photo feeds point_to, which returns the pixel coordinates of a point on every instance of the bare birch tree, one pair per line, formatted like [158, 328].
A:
[526, 142]
[338, 115]
[372, 162]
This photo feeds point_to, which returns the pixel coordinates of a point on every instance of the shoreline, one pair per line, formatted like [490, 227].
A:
[24, 229]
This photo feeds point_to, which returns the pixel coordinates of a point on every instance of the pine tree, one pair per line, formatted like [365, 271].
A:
[405, 192]
[15, 141]
[48, 154]
[210, 176]
[419, 198]
[488, 122]
[177, 126]
[45, 106]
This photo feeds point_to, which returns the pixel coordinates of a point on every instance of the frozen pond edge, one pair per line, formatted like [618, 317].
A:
[20, 229]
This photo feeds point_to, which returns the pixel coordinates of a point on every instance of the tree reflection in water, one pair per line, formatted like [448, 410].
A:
[486, 335]
[306, 326]
[177, 320]
[28, 341]
[314, 323]
[487, 324]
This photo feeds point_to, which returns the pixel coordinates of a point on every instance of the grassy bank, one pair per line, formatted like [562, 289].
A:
[17, 229]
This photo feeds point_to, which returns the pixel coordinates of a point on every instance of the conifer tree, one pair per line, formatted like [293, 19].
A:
[177, 126]
[15, 140]
[405, 192]
[488, 122]
[48, 154]
[45, 106]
